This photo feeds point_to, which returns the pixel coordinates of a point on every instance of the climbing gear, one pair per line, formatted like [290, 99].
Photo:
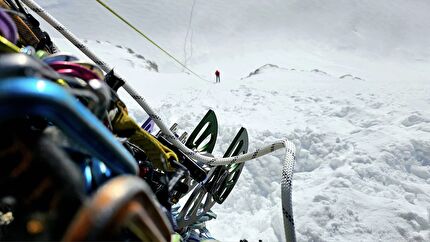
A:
[73, 69]
[92, 67]
[28, 27]
[282, 144]
[148, 125]
[7, 46]
[40, 186]
[7, 27]
[166, 152]
[60, 56]
[216, 187]
[157, 153]
[23, 96]
[125, 202]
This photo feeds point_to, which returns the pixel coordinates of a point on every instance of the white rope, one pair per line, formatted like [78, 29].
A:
[289, 158]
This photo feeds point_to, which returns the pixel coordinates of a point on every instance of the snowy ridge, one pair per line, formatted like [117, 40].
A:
[387, 38]
[271, 68]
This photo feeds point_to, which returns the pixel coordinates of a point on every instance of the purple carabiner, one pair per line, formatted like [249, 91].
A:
[73, 69]
[7, 27]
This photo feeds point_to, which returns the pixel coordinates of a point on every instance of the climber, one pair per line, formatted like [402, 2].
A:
[217, 79]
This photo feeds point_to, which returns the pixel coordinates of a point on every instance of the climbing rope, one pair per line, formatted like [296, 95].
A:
[289, 158]
[147, 38]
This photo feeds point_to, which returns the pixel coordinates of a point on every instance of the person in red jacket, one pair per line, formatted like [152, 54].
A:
[217, 79]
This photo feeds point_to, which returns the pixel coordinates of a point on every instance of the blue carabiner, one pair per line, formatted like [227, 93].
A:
[28, 95]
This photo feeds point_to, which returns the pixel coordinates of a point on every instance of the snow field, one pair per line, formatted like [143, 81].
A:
[362, 172]
[363, 162]
[348, 85]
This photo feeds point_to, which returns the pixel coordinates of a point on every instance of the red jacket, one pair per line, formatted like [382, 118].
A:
[216, 73]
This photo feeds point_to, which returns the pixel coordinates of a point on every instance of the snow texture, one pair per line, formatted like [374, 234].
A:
[346, 81]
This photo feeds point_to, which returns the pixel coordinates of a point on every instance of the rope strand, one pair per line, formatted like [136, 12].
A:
[147, 38]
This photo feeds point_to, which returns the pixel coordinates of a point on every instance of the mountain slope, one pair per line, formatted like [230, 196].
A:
[350, 89]
[363, 167]
[378, 37]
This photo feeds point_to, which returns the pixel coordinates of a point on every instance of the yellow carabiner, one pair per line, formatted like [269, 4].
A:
[7, 46]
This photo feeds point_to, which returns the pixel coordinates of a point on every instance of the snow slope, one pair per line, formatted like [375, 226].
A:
[368, 37]
[363, 170]
[349, 84]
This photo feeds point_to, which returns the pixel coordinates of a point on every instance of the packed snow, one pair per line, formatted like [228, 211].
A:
[346, 81]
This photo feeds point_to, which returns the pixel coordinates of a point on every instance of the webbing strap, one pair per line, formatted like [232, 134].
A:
[126, 127]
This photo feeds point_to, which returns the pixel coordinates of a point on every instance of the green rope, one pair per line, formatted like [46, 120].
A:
[146, 37]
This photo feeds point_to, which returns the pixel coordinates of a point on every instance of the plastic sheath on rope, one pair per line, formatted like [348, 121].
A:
[290, 148]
